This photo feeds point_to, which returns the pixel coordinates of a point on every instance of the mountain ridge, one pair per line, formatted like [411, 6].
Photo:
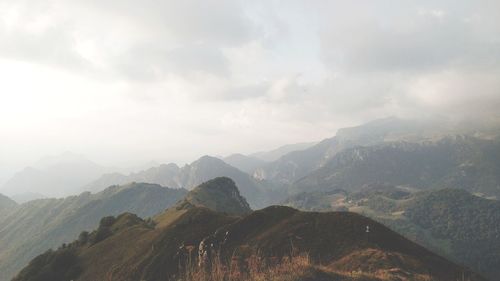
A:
[455, 161]
[258, 193]
[338, 240]
[451, 222]
[58, 221]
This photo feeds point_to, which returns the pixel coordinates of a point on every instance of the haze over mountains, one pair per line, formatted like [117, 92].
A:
[283, 140]
[402, 156]
[259, 193]
[456, 162]
[55, 176]
[48, 177]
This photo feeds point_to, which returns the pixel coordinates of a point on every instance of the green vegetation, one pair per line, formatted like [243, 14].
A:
[259, 193]
[275, 243]
[57, 221]
[453, 162]
[219, 194]
[451, 222]
[316, 201]
[52, 265]
[6, 204]
[65, 263]
[469, 223]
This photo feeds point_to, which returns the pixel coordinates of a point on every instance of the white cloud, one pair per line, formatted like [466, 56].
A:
[128, 81]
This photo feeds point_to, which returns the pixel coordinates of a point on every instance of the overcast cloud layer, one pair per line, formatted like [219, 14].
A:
[125, 81]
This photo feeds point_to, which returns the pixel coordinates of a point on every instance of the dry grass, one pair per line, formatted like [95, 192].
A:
[295, 268]
[256, 268]
[253, 268]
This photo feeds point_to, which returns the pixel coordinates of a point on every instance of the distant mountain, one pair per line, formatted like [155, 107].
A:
[247, 164]
[275, 154]
[451, 222]
[395, 129]
[106, 180]
[259, 193]
[26, 197]
[456, 161]
[297, 164]
[42, 224]
[187, 235]
[55, 176]
[164, 174]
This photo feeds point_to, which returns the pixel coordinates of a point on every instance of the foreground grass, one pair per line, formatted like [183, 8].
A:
[296, 268]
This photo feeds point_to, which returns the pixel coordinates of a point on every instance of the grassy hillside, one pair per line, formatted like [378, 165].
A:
[6, 204]
[275, 239]
[128, 248]
[451, 222]
[469, 223]
[39, 225]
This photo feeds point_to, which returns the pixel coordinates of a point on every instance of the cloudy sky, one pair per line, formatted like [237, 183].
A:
[125, 82]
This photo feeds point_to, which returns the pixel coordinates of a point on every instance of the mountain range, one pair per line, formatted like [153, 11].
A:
[190, 233]
[275, 154]
[455, 161]
[259, 193]
[29, 229]
[391, 170]
[54, 176]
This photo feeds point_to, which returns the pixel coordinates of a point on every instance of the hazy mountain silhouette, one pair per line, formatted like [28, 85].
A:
[259, 193]
[456, 162]
[275, 154]
[56, 176]
[247, 164]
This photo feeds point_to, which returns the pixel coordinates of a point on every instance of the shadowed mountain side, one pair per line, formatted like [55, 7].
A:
[452, 222]
[6, 204]
[247, 164]
[128, 248]
[299, 163]
[57, 221]
[469, 225]
[456, 162]
[333, 238]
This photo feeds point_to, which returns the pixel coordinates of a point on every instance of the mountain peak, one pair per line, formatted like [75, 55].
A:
[219, 194]
[208, 159]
